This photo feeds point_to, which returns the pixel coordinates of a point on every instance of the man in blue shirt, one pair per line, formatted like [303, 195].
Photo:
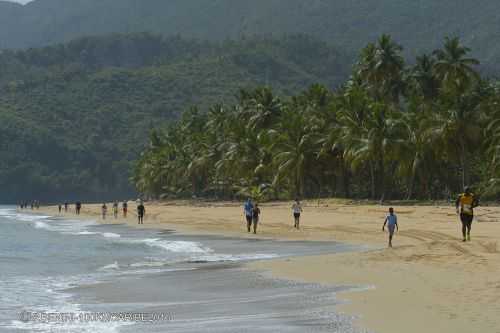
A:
[392, 224]
[248, 211]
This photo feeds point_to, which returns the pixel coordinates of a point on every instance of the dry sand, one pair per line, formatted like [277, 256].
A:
[429, 282]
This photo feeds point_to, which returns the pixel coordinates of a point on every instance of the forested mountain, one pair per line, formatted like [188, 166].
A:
[419, 25]
[74, 116]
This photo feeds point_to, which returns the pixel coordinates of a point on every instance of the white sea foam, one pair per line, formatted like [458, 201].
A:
[41, 225]
[30, 217]
[172, 246]
[232, 257]
[12, 213]
[66, 227]
[110, 235]
[113, 266]
[47, 294]
[152, 270]
[8, 212]
[149, 264]
[85, 232]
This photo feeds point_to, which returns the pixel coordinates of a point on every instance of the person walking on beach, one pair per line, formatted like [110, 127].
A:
[125, 208]
[104, 210]
[248, 212]
[465, 204]
[78, 206]
[66, 207]
[141, 211]
[115, 209]
[392, 224]
[255, 217]
[60, 208]
[297, 209]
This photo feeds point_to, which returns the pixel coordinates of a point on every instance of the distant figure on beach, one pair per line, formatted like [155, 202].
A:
[297, 209]
[392, 224]
[248, 212]
[78, 207]
[465, 204]
[141, 211]
[125, 208]
[115, 209]
[66, 207]
[104, 210]
[60, 208]
[255, 217]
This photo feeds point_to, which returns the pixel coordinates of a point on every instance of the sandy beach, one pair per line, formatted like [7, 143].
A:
[429, 282]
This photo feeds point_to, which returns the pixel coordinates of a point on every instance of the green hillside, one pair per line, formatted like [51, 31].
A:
[74, 116]
[419, 25]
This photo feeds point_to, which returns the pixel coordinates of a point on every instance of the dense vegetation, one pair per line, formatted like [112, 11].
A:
[74, 116]
[392, 131]
[419, 25]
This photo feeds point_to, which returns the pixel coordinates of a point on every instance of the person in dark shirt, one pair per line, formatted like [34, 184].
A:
[125, 209]
[104, 210]
[255, 217]
[141, 211]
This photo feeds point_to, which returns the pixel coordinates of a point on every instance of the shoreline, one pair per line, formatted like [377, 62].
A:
[430, 281]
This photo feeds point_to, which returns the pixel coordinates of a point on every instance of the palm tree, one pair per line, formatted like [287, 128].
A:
[260, 107]
[381, 67]
[424, 79]
[455, 70]
[361, 133]
[370, 134]
[294, 149]
[458, 126]
[419, 148]
[459, 102]
[354, 110]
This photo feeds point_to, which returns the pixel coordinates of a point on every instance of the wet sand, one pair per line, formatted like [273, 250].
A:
[220, 297]
[429, 282]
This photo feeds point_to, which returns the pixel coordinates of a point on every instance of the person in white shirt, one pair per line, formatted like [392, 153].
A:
[297, 209]
[392, 224]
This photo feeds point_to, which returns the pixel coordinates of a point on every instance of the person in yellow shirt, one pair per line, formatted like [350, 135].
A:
[465, 205]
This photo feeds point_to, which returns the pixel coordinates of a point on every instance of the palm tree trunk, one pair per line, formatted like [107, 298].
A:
[411, 185]
[382, 181]
[346, 181]
[464, 164]
[372, 178]
[297, 184]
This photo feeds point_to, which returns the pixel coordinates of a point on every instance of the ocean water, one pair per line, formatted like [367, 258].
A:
[59, 274]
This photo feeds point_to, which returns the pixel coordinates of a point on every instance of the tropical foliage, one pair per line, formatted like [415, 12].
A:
[74, 116]
[393, 130]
